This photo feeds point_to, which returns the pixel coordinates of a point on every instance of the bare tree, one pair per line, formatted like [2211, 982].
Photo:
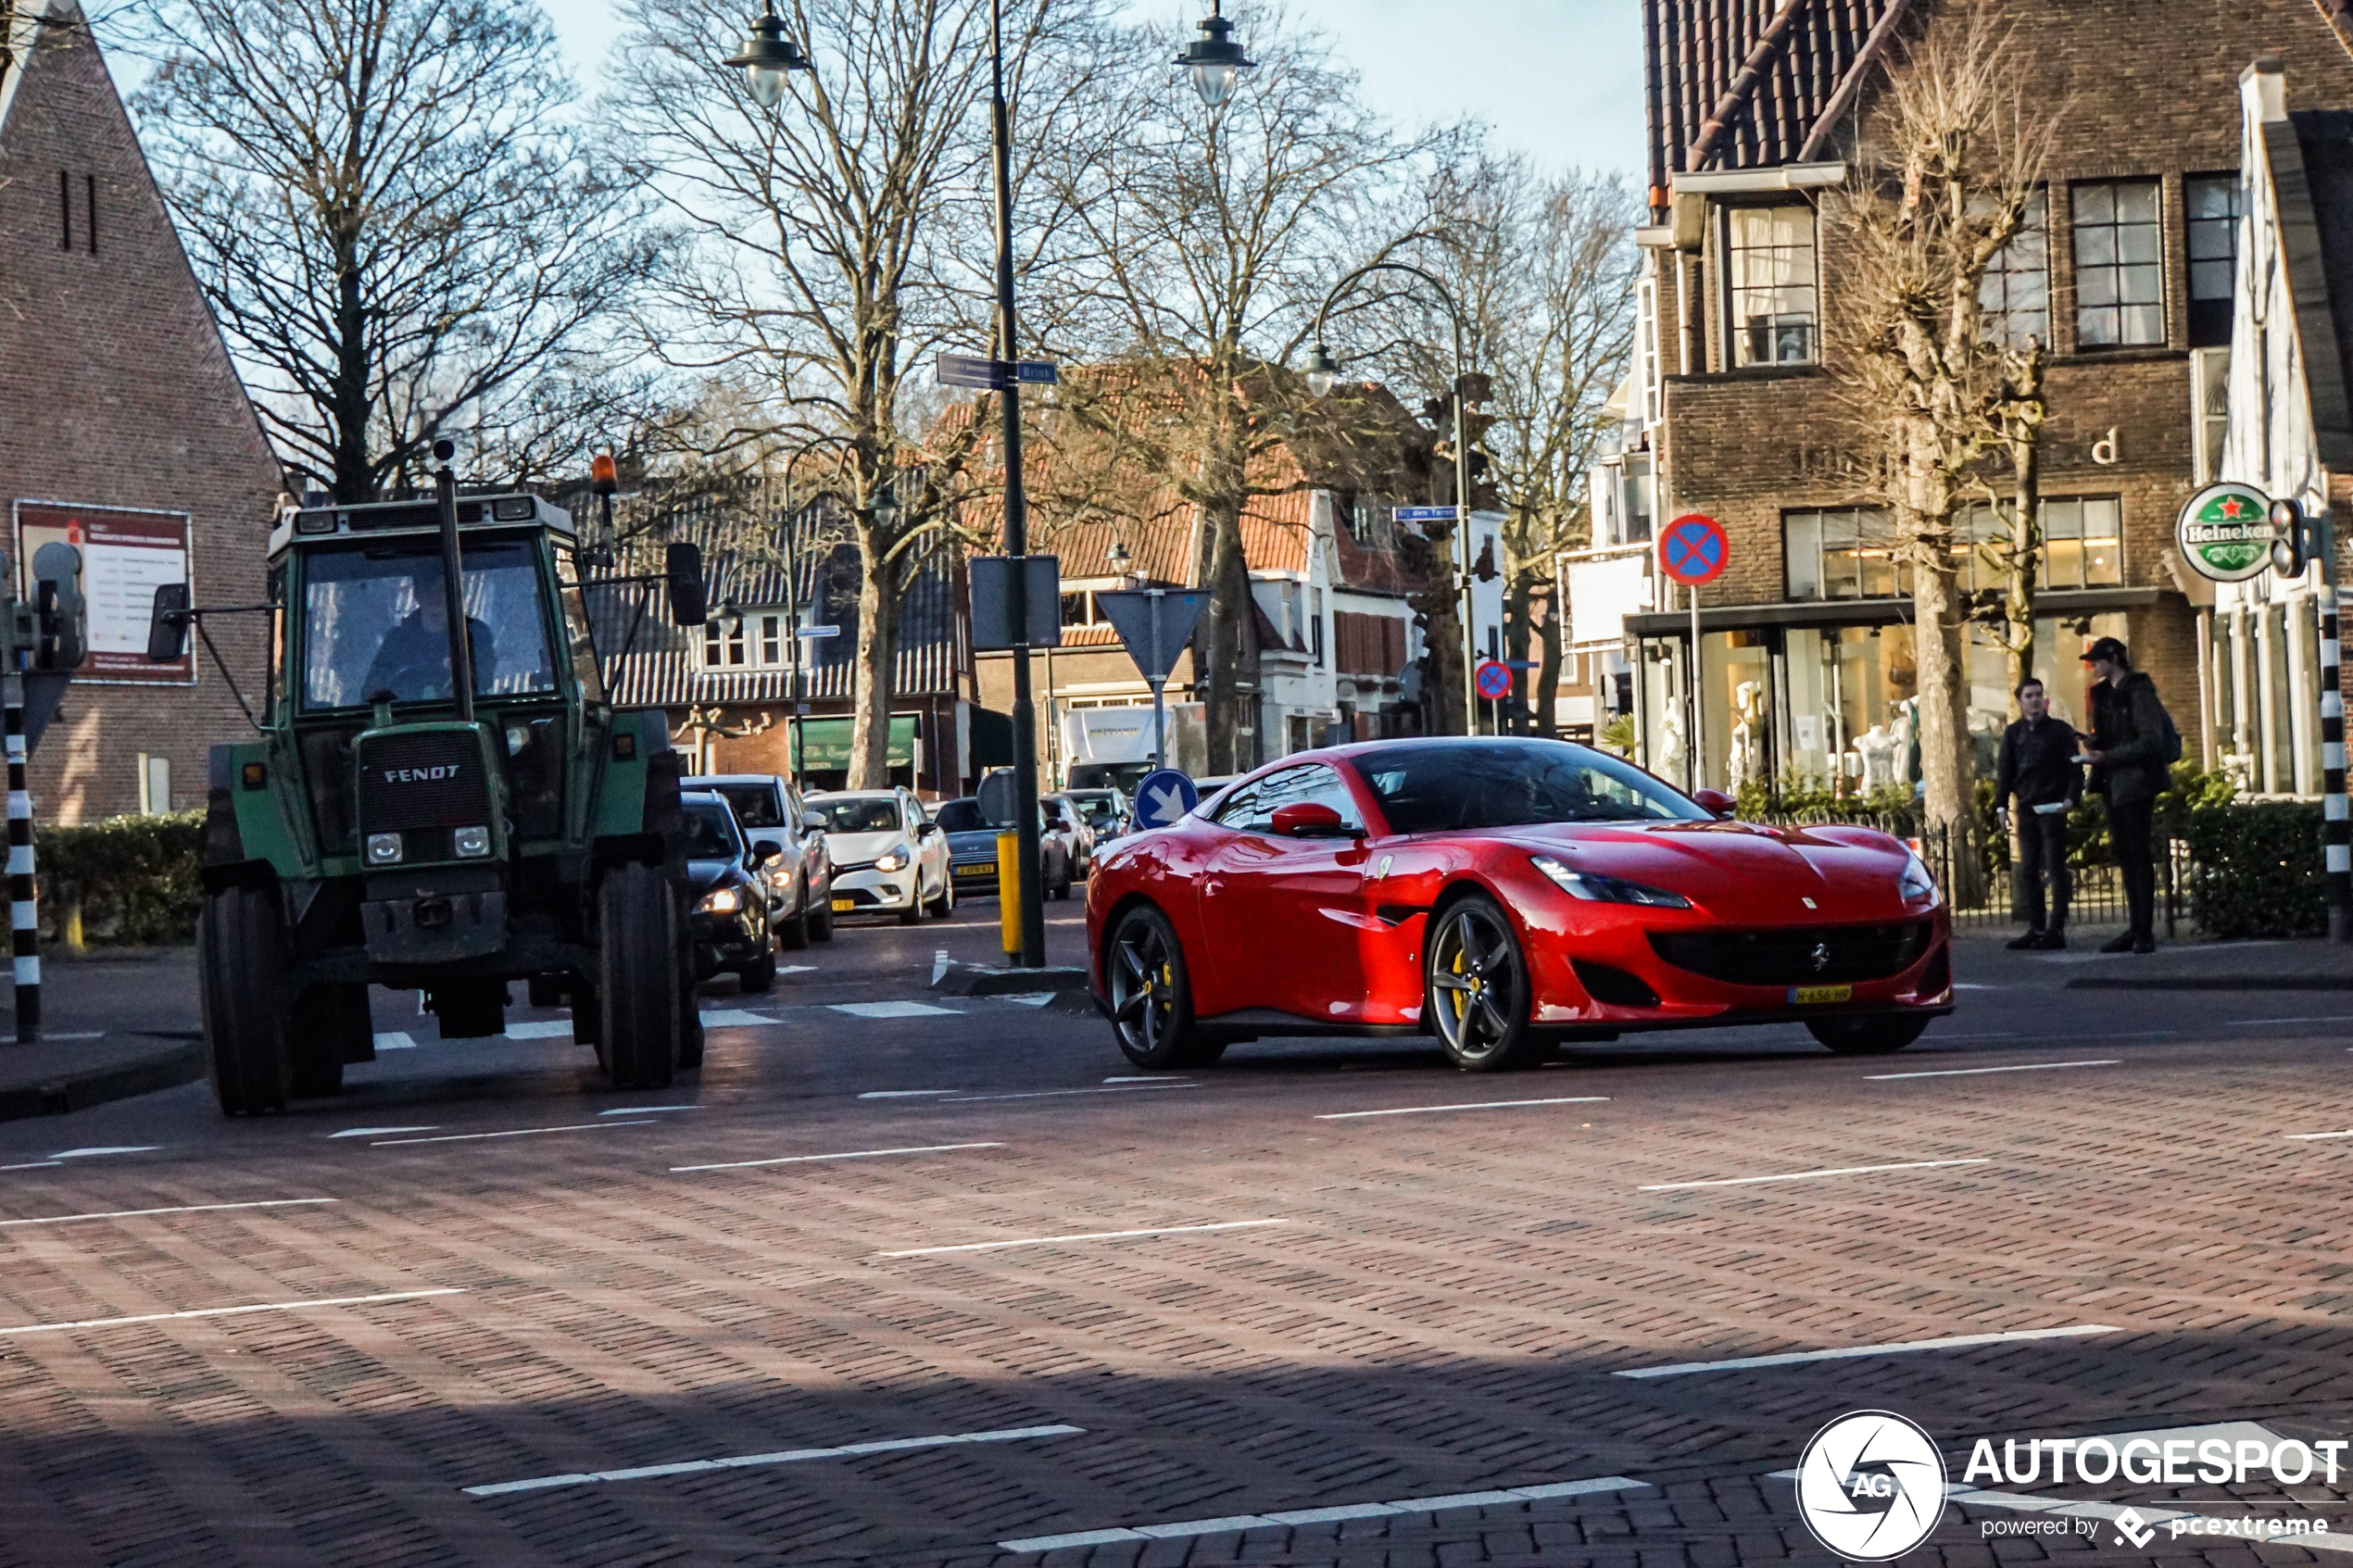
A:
[387, 206]
[1951, 173]
[1198, 244]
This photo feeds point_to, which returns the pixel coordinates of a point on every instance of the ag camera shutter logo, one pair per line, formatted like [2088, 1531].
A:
[1871, 1485]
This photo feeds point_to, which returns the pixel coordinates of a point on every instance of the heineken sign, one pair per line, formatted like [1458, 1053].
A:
[2225, 532]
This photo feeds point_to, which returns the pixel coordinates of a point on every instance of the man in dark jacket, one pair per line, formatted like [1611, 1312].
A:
[2038, 766]
[2130, 728]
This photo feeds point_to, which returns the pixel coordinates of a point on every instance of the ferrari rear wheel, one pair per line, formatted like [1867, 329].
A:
[1478, 991]
[1152, 996]
[1867, 1037]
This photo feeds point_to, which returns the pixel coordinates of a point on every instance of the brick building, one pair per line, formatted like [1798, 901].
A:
[122, 426]
[1757, 114]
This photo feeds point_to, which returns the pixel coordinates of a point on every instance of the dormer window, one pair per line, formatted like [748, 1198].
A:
[1773, 295]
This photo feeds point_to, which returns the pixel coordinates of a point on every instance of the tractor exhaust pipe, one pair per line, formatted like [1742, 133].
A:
[453, 583]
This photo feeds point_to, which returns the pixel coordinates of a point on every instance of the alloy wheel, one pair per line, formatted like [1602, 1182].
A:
[1474, 982]
[1143, 996]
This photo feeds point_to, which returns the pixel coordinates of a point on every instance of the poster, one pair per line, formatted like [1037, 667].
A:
[125, 554]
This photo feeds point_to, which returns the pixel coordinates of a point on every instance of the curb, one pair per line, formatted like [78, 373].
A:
[2213, 983]
[170, 1068]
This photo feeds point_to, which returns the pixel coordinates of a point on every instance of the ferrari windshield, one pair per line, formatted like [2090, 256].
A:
[1439, 787]
[375, 620]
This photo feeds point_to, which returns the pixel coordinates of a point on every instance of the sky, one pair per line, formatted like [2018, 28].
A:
[1559, 80]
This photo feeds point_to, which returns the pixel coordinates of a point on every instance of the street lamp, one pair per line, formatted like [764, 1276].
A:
[1322, 369]
[1215, 61]
[767, 55]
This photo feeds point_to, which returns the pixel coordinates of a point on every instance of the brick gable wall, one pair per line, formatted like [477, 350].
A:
[115, 390]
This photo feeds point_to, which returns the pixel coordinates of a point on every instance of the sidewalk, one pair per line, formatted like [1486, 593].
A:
[113, 1025]
[2186, 964]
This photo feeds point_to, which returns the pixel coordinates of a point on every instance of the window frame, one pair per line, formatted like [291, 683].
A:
[2211, 327]
[2078, 269]
[2040, 230]
[1736, 334]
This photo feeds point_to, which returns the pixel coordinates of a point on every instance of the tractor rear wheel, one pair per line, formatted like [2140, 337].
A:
[638, 980]
[241, 945]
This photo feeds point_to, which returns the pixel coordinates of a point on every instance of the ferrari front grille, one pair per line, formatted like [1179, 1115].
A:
[1796, 955]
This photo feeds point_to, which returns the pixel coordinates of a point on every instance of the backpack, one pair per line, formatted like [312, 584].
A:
[2168, 739]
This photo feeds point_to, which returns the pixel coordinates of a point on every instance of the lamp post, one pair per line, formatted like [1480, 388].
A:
[1215, 61]
[1322, 369]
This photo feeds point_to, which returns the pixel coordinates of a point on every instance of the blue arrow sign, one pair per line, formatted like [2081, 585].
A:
[1165, 799]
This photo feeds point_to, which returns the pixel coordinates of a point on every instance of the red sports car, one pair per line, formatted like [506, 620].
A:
[1502, 894]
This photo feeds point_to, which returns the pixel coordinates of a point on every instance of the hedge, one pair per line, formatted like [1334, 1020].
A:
[2255, 869]
[135, 878]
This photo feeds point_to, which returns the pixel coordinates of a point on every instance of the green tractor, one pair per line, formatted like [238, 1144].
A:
[395, 825]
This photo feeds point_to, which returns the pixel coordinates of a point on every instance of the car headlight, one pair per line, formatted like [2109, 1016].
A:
[471, 844]
[1915, 883]
[720, 901]
[891, 861]
[384, 849]
[1599, 889]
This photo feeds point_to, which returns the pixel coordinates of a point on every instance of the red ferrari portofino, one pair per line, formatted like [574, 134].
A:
[1501, 894]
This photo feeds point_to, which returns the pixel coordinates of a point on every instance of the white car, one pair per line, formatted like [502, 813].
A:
[888, 855]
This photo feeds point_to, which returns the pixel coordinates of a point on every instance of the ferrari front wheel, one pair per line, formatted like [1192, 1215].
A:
[1477, 992]
[1151, 996]
[1867, 1037]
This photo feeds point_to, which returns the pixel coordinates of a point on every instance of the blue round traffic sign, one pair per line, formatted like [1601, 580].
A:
[1164, 798]
[1693, 549]
[1494, 681]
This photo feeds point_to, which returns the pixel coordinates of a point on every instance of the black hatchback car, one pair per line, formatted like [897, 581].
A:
[730, 921]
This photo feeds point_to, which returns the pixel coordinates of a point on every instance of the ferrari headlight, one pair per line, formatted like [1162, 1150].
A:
[891, 861]
[1605, 889]
[1916, 884]
[720, 901]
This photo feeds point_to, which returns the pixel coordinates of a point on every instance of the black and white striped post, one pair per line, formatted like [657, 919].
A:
[24, 929]
[2339, 857]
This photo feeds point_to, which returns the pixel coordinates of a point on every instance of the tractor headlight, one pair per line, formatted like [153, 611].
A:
[1916, 884]
[1605, 889]
[720, 901]
[891, 861]
[472, 844]
[384, 849]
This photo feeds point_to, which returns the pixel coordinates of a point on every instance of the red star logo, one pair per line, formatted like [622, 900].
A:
[2231, 506]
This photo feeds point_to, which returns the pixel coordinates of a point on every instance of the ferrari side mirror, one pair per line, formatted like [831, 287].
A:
[1716, 802]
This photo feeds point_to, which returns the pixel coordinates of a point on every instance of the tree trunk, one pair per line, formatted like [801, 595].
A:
[2026, 560]
[1924, 522]
[1226, 643]
[1518, 607]
[1441, 635]
[1548, 672]
[877, 647]
[355, 476]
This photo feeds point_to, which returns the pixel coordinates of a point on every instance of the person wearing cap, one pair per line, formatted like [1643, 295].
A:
[2128, 754]
[2038, 766]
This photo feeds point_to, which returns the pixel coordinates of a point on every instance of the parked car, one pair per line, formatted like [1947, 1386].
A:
[723, 875]
[888, 857]
[801, 877]
[971, 850]
[1106, 812]
[1067, 822]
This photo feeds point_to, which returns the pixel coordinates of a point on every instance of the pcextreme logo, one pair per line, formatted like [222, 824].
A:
[1871, 1485]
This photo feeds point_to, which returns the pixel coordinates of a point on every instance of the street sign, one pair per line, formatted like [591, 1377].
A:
[1693, 550]
[2225, 533]
[993, 580]
[992, 375]
[1494, 681]
[1154, 623]
[1423, 514]
[1164, 798]
[814, 632]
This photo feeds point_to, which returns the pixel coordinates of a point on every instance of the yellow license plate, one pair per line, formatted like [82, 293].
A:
[843, 903]
[1815, 995]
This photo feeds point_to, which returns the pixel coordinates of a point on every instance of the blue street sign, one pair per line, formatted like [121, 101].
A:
[1423, 514]
[991, 375]
[1165, 799]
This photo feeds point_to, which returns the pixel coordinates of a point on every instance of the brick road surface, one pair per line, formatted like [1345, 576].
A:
[1442, 1309]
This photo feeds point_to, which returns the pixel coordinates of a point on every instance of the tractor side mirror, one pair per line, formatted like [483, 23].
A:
[681, 567]
[167, 624]
[1715, 802]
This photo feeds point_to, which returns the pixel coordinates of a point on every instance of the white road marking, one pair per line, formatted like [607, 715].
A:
[1326, 1515]
[1796, 1358]
[906, 1094]
[396, 1040]
[234, 1311]
[36, 1165]
[1809, 1175]
[1029, 998]
[788, 1456]
[796, 969]
[2314, 1137]
[1056, 1094]
[107, 1148]
[939, 962]
[1144, 1078]
[1970, 985]
[891, 1009]
[379, 1132]
[1973, 1072]
[515, 1133]
[1475, 1105]
[2325, 1018]
[1081, 1236]
[814, 1158]
[647, 1109]
[547, 1030]
[735, 1018]
[46, 1037]
[182, 1209]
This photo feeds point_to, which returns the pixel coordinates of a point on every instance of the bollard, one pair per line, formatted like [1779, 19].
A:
[1008, 891]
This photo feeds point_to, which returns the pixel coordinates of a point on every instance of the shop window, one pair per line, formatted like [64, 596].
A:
[1772, 294]
[2213, 204]
[1078, 609]
[1842, 555]
[2082, 543]
[2016, 291]
[2120, 270]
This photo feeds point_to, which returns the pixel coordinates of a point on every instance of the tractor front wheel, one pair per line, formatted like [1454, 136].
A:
[241, 943]
[330, 1026]
[638, 981]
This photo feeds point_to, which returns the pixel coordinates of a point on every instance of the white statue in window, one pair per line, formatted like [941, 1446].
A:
[1668, 764]
[1749, 713]
[1878, 747]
